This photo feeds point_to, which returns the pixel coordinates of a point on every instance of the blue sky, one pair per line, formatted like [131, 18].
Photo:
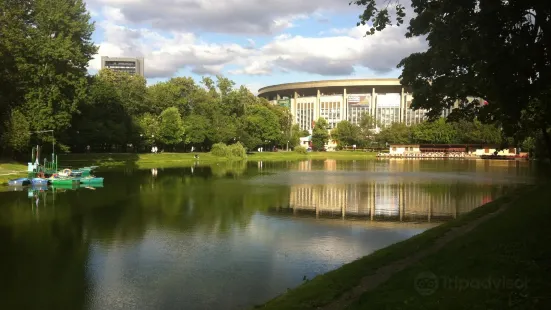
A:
[255, 43]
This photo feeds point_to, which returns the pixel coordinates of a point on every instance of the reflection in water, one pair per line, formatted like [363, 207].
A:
[388, 201]
[221, 237]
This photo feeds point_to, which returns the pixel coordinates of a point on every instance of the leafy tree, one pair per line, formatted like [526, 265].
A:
[285, 119]
[296, 134]
[496, 50]
[149, 128]
[367, 128]
[13, 46]
[434, 132]
[224, 85]
[131, 90]
[346, 133]
[476, 132]
[171, 127]
[197, 129]
[102, 120]
[57, 49]
[260, 126]
[320, 134]
[180, 92]
[17, 134]
[395, 133]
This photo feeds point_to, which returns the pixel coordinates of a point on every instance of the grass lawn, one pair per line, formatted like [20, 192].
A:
[186, 159]
[513, 245]
[11, 170]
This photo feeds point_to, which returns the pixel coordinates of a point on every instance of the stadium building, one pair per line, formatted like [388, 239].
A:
[386, 100]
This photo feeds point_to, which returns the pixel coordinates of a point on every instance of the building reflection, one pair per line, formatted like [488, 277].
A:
[388, 201]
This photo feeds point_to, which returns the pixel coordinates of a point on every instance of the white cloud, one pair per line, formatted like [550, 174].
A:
[222, 16]
[330, 55]
[168, 47]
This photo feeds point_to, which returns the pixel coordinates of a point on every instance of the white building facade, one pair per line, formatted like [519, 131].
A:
[385, 100]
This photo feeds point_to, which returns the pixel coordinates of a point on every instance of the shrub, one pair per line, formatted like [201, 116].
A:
[237, 150]
[301, 150]
[223, 150]
[220, 149]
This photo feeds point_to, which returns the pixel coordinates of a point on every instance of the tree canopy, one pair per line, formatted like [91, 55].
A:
[496, 50]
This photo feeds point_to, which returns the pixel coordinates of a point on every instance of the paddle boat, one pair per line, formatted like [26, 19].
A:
[65, 178]
[40, 181]
[72, 186]
[19, 182]
[91, 180]
[86, 171]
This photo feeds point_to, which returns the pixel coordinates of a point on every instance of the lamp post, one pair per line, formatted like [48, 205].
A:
[287, 146]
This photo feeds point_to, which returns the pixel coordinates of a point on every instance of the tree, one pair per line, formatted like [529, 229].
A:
[197, 128]
[171, 128]
[346, 133]
[496, 50]
[320, 134]
[13, 45]
[296, 134]
[260, 126]
[367, 128]
[285, 119]
[395, 133]
[149, 128]
[102, 119]
[131, 90]
[51, 61]
[17, 134]
[434, 132]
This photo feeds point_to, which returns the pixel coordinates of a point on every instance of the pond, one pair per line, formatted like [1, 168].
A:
[226, 236]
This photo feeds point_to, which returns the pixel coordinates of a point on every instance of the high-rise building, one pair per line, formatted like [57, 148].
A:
[124, 64]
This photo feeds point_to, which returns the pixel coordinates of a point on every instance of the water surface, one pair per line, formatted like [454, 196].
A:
[225, 236]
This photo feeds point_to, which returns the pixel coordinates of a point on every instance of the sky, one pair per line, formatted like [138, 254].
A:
[255, 43]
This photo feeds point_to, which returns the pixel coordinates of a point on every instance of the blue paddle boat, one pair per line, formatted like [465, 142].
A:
[19, 182]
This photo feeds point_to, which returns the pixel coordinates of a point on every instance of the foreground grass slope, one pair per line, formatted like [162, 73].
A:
[513, 245]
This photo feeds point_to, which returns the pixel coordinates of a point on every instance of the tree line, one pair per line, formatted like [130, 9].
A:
[451, 130]
[46, 45]
[496, 50]
[45, 48]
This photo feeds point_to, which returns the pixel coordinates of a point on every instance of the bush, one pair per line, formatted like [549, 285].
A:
[220, 149]
[223, 150]
[237, 150]
[301, 150]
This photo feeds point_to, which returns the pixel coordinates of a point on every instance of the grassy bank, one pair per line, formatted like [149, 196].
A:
[512, 245]
[186, 159]
[11, 170]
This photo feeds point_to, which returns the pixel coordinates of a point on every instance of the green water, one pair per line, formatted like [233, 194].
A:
[225, 236]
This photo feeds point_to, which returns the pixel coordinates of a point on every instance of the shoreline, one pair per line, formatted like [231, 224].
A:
[13, 170]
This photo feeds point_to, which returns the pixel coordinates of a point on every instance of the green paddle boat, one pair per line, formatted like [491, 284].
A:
[91, 180]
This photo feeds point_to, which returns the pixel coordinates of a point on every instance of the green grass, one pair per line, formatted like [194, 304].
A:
[185, 159]
[167, 160]
[11, 170]
[514, 246]
[325, 288]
